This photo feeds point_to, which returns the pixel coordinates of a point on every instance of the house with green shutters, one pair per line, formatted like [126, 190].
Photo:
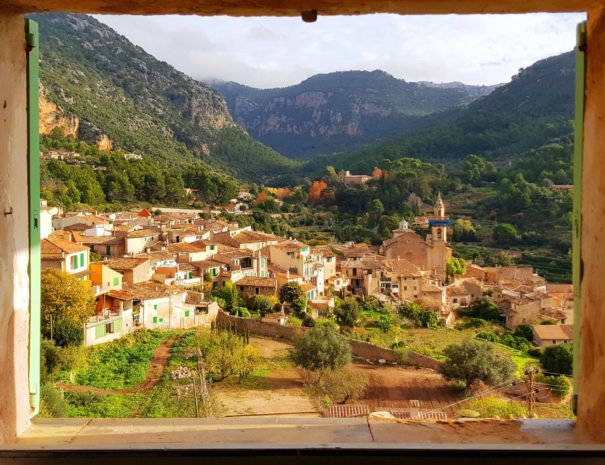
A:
[60, 254]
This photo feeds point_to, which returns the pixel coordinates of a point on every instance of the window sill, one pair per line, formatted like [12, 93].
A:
[452, 442]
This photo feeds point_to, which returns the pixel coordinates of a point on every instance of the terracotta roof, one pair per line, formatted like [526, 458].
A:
[184, 247]
[403, 267]
[456, 290]
[120, 295]
[324, 250]
[205, 264]
[257, 282]
[125, 263]
[431, 288]
[290, 245]
[159, 255]
[186, 267]
[143, 233]
[99, 240]
[247, 237]
[554, 332]
[77, 227]
[151, 290]
[306, 287]
[57, 246]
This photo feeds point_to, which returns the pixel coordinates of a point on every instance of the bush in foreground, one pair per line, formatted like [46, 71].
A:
[489, 407]
[475, 361]
[321, 349]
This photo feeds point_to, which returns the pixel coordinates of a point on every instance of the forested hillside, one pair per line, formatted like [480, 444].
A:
[113, 91]
[535, 107]
[339, 110]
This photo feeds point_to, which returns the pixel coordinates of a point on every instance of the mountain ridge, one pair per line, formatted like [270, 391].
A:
[339, 109]
[143, 105]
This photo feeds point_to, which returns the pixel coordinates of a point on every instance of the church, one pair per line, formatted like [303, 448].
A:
[430, 254]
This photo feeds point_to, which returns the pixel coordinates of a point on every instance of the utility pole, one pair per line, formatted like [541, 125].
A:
[531, 386]
[205, 395]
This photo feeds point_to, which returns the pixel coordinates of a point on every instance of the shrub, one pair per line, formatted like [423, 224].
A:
[472, 323]
[488, 336]
[428, 319]
[241, 311]
[559, 385]
[348, 312]
[535, 352]
[264, 304]
[474, 360]
[49, 359]
[558, 359]
[385, 322]
[321, 349]
[489, 407]
[340, 385]
[484, 308]
[294, 322]
[52, 403]
[525, 331]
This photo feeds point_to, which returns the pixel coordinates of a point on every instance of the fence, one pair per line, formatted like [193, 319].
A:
[360, 349]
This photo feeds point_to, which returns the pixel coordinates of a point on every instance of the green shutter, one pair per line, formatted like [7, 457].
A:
[82, 260]
[116, 281]
[186, 313]
[577, 270]
[154, 319]
[33, 166]
[117, 326]
[100, 331]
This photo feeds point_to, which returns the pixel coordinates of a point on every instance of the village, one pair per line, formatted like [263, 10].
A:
[150, 269]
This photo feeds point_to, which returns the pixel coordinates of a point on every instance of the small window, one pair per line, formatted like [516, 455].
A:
[73, 262]
[116, 281]
[154, 319]
[109, 328]
[257, 291]
[186, 313]
[155, 306]
[107, 250]
[82, 260]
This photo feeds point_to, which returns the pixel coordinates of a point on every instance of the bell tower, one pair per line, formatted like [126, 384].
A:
[439, 222]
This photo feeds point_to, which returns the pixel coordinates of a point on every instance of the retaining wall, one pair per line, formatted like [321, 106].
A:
[360, 349]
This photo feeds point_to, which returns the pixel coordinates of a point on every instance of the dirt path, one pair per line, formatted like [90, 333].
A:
[280, 392]
[159, 362]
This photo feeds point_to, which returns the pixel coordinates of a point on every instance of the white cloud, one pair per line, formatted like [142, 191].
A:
[274, 52]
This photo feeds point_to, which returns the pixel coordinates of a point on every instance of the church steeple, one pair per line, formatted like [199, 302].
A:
[439, 222]
[439, 209]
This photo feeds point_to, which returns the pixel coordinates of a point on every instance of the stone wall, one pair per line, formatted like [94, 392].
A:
[360, 349]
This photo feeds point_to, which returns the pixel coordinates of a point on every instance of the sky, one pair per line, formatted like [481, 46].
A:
[278, 52]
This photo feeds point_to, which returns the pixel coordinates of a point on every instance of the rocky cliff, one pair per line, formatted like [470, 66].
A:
[103, 89]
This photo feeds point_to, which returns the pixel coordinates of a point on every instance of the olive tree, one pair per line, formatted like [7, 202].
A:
[474, 360]
[321, 349]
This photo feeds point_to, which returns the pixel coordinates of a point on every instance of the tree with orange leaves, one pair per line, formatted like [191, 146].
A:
[315, 191]
[282, 193]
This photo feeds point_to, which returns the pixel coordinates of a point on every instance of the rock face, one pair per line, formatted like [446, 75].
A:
[51, 117]
[334, 111]
[123, 98]
[119, 92]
